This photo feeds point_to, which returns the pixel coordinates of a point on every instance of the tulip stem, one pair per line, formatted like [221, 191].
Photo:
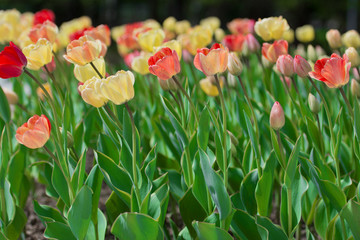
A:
[347, 102]
[181, 109]
[22, 107]
[134, 165]
[3, 204]
[112, 115]
[295, 86]
[289, 206]
[96, 70]
[187, 96]
[55, 83]
[225, 129]
[318, 121]
[281, 149]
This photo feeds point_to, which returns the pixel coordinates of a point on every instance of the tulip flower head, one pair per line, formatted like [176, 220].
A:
[86, 72]
[251, 43]
[333, 37]
[235, 66]
[38, 54]
[90, 93]
[272, 51]
[208, 85]
[46, 30]
[234, 42]
[271, 28]
[12, 61]
[305, 33]
[43, 15]
[212, 61]
[241, 26]
[301, 66]
[285, 65]
[35, 132]
[353, 56]
[101, 32]
[333, 71]
[355, 88]
[314, 104]
[11, 96]
[277, 116]
[164, 64]
[351, 39]
[140, 63]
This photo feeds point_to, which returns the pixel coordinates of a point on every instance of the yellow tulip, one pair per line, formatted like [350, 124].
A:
[353, 56]
[305, 33]
[219, 34]
[89, 92]
[271, 28]
[41, 93]
[351, 39]
[173, 45]
[6, 32]
[334, 39]
[117, 31]
[209, 87]
[86, 72]
[182, 26]
[150, 39]
[118, 88]
[70, 27]
[212, 22]
[169, 24]
[289, 35]
[140, 63]
[198, 37]
[151, 23]
[10, 25]
[38, 54]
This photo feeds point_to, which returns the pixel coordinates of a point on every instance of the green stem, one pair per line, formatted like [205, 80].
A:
[289, 205]
[181, 109]
[56, 85]
[22, 107]
[347, 102]
[96, 70]
[187, 96]
[3, 204]
[223, 108]
[281, 148]
[112, 115]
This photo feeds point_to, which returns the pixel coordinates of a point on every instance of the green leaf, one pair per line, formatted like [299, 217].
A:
[244, 226]
[208, 231]
[57, 230]
[277, 149]
[357, 120]
[275, 232]
[59, 182]
[199, 191]
[115, 206]
[316, 136]
[292, 163]
[5, 112]
[254, 141]
[247, 192]
[203, 129]
[17, 224]
[216, 187]
[47, 213]
[351, 212]
[79, 215]
[158, 203]
[136, 226]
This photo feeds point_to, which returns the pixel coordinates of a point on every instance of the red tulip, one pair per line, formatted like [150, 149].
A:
[43, 15]
[35, 132]
[212, 61]
[164, 64]
[272, 51]
[12, 61]
[234, 42]
[251, 43]
[333, 71]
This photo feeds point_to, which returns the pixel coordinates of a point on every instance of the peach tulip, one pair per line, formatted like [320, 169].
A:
[164, 64]
[272, 51]
[212, 61]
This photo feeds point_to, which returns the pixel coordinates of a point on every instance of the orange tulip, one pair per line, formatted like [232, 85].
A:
[272, 51]
[35, 132]
[333, 71]
[164, 64]
[101, 32]
[212, 61]
[47, 30]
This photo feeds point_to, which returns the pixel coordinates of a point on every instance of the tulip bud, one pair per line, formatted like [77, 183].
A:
[289, 35]
[277, 116]
[234, 64]
[251, 43]
[355, 88]
[169, 24]
[285, 65]
[353, 56]
[301, 66]
[231, 80]
[334, 38]
[219, 34]
[305, 33]
[311, 53]
[11, 96]
[168, 85]
[314, 104]
[300, 50]
[356, 74]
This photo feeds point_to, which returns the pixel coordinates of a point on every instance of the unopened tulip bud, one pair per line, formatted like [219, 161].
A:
[353, 56]
[301, 66]
[251, 43]
[314, 104]
[334, 38]
[277, 116]
[11, 96]
[355, 88]
[311, 53]
[285, 65]
[168, 85]
[219, 34]
[234, 64]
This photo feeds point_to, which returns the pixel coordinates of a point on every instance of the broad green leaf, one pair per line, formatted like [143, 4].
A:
[292, 164]
[59, 182]
[357, 120]
[115, 206]
[47, 213]
[203, 129]
[254, 141]
[244, 226]
[158, 204]
[208, 231]
[94, 181]
[136, 226]
[247, 192]
[199, 191]
[5, 112]
[57, 230]
[275, 232]
[351, 212]
[316, 136]
[17, 224]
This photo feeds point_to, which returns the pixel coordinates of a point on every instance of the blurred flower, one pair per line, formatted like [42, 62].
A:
[351, 39]
[277, 117]
[126, 43]
[44, 15]
[285, 65]
[164, 64]
[10, 27]
[12, 61]
[208, 85]
[301, 66]
[150, 39]
[212, 22]
[272, 51]
[305, 33]
[90, 93]
[219, 34]
[11, 96]
[67, 28]
[314, 104]
[355, 88]
[289, 35]
[86, 72]
[311, 53]
[333, 37]
[231, 80]
[169, 24]
[212, 61]
[265, 62]
[47, 30]
[40, 93]
[241, 26]
[271, 28]
[79, 33]
[356, 73]
[251, 44]
[128, 58]
[38, 54]
[118, 88]
[168, 85]
[286, 80]
[353, 56]
[51, 65]
[140, 63]
[83, 51]
[300, 50]
[101, 32]
[235, 66]
[173, 45]
[234, 42]
[333, 71]
[182, 26]
[35, 132]
[152, 23]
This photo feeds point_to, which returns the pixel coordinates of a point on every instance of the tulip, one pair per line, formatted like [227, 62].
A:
[231, 80]
[219, 34]
[83, 51]
[333, 37]
[12, 61]
[152, 23]
[11, 96]
[212, 22]
[101, 32]
[89, 92]
[79, 33]
[289, 35]
[251, 43]
[355, 88]
[7, 32]
[277, 117]
[353, 56]
[234, 42]
[241, 26]
[35, 132]
[182, 26]
[208, 85]
[47, 30]
[356, 74]
[169, 24]
[118, 88]
[43, 16]
[285, 65]
[305, 33]
[67, 28]
[197, 37]
[140, 63]
[234, 64]
[351, 39]
[314, 104]
[272, 51]
[38, 54]
[311, 53]
[86, 72]
[212, 61]
[164, 64]
[271, 28]
[40, 93]
[301, 66]
[333, 71]
[150, 39]
[173, 45]
[128, 58]
[126, 43]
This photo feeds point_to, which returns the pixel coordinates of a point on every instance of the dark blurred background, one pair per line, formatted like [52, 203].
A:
[323, 14]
